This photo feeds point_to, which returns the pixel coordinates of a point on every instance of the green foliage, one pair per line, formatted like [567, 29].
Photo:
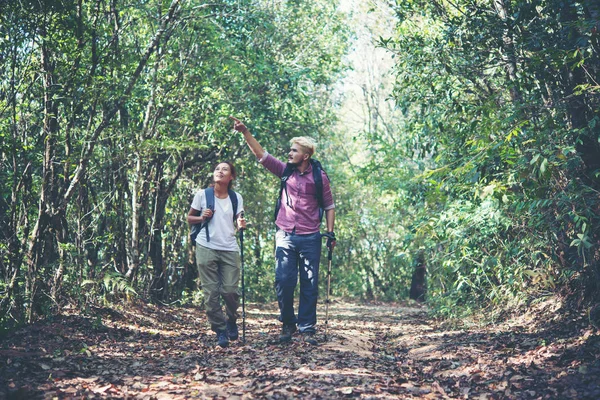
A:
[116, 285]
[146, 134]
[499, 147]
[112, 286]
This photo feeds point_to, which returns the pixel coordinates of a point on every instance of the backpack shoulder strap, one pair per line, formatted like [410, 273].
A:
[234, 202]
[289, 170]
[318, 177]
[284, 177]
[209, 193]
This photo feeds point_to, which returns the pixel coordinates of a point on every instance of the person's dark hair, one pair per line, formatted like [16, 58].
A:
[232, 168]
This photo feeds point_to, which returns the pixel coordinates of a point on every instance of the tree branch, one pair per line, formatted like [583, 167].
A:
[107, 118]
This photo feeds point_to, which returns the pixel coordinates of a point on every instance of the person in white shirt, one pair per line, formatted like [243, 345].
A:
[218, 253]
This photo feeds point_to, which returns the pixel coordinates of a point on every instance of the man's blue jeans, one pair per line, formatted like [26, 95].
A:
[298, 253]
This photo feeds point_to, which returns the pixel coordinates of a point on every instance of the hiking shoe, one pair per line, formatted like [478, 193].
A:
[310, 337]
[286, 332]
[232, 330]
[222, 339]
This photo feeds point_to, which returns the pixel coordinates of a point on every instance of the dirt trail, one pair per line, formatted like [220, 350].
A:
[374, 351]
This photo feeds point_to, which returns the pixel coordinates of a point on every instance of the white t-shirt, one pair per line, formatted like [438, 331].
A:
[220, 227]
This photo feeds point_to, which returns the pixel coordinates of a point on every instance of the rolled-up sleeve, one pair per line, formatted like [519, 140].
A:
[328, 203]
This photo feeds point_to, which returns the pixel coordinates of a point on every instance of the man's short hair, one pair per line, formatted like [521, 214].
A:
[308, 144]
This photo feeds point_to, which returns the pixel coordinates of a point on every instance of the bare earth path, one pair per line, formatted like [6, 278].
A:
[374, 351]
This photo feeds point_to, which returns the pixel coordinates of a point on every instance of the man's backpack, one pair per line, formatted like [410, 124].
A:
[209, 193]
[316, 169]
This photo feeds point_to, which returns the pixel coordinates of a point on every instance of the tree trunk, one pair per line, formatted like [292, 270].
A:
[139, 203]
[141, 195]
[163, 191]
[86, 232]
[159, 278]
[581, 111]
[41, 247]
[418, 285]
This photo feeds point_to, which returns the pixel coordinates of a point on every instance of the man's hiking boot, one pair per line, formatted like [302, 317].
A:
[232, 330]
[310, 337]
[286, 332]
[222, 339]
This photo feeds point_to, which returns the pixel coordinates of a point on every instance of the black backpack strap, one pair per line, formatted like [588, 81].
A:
[318, 177]
[209, 193]
[284, 177]
[194, 233]
[234, 202]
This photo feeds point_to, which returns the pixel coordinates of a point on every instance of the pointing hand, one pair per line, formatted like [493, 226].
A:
[238, 125]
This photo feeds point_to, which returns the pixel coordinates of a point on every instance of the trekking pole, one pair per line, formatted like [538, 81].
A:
[329, 257]
[243, 286]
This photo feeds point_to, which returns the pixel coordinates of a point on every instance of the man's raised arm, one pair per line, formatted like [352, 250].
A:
[256, 148]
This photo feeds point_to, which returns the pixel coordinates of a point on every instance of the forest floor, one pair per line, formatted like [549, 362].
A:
[373, 351]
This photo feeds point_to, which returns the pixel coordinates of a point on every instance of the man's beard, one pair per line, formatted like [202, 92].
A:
[293, 165]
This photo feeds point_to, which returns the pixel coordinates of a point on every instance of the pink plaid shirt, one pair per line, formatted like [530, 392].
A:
[299, 210]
